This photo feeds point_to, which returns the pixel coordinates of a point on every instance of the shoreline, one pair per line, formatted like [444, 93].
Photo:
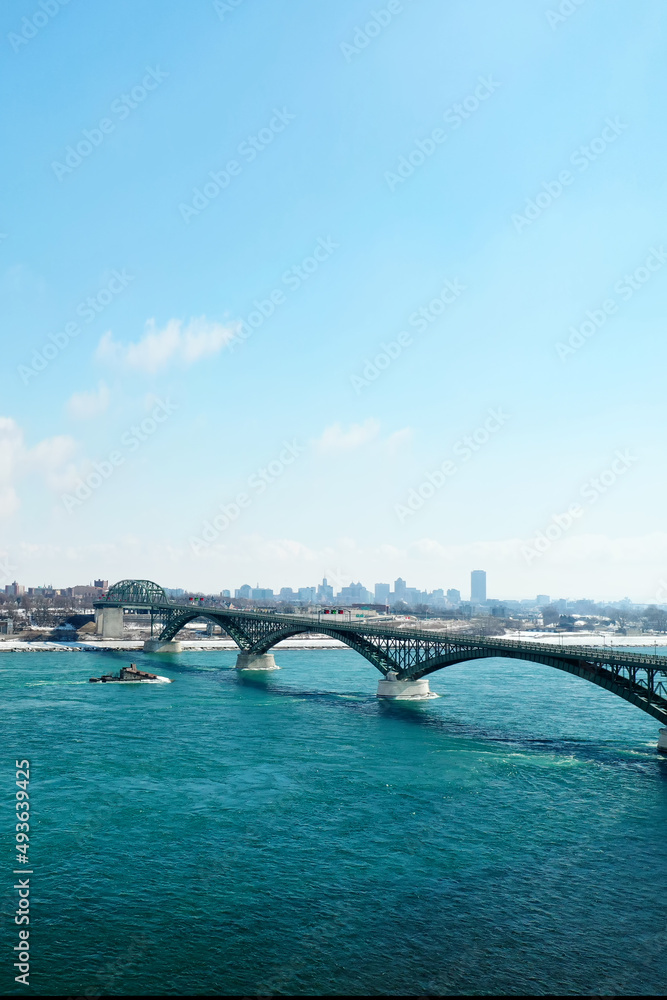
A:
[137, 645]
[211, 645]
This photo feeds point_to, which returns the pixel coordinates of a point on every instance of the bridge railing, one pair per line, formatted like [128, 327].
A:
[597, 653]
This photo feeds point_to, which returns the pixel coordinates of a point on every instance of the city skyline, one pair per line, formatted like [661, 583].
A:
[324, 593]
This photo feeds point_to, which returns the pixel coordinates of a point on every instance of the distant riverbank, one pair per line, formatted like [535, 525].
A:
[16, 645]
[187, 645]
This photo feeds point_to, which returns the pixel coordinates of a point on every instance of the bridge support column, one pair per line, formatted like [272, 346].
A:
[391, 687]
[662, 740]
[256, 661]
[162, 646]
[109, 624]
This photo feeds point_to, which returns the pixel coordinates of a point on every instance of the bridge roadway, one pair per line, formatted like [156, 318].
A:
[404, 656]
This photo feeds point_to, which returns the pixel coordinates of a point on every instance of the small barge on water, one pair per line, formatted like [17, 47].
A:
[130, 675]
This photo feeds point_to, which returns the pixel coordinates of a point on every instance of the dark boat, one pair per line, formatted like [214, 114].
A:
[130, 675]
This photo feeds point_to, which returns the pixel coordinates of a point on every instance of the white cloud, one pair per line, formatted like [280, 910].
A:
[51, 459]
[85, 405]
[174, 343]
[335, 438]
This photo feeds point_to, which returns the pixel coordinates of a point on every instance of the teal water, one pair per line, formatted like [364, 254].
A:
[293, 835]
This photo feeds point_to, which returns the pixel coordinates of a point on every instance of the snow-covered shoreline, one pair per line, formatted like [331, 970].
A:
[188, 646]
[587, 639]
[324, 642]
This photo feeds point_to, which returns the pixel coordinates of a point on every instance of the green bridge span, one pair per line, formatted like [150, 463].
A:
[404, 657]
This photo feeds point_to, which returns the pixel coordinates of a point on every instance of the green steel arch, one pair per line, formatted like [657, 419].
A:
[638, 678]
[142, 593]
[633, 680]
[178, 617]
[254, 640]
[645, 694]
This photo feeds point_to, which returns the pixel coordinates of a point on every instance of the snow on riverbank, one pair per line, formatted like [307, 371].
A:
[588, 639]
[187, 645]
[325, 642]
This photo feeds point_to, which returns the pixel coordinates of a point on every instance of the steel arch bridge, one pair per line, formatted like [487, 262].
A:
[639, 678]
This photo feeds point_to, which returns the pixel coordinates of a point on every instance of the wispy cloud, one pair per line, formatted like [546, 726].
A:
[335, 438]
[173, 344]
[398, 440]
[85, 405]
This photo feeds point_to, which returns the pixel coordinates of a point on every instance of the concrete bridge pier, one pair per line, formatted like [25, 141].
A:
[162, 646]
[256, 661]
[109, 623]
[662, 740]
[390, 687]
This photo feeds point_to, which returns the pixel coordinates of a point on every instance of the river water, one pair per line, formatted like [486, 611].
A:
[290, 834]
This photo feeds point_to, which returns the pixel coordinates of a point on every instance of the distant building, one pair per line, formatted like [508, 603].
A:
[454, 596]
[356, 593]
[325, 592]
[102, 584]
[83, 591]
[382, 592]
[437, 598]
[307, 595]
[14, 589]
[262, 594]
[399, 589]
[287, 594]
[225, 593]
[478, 586]
[541, 600]
[245, 591]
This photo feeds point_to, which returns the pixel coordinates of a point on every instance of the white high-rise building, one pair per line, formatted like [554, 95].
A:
[478, 586]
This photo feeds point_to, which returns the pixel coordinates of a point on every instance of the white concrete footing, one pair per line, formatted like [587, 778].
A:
[162, 646]
[662, 740]
[109, 623]
[256, 661]
[391, 687]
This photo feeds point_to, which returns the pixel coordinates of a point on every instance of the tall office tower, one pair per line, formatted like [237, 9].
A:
[454, 596]
[478, 586]
[399, 589]
[382, 592]
[325, 592]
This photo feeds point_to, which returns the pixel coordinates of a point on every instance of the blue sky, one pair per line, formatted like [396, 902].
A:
[512, 151]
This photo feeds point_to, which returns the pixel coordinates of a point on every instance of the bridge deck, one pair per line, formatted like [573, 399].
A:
[591, 653]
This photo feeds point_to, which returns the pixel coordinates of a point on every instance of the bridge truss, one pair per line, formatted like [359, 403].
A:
[640, 679]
